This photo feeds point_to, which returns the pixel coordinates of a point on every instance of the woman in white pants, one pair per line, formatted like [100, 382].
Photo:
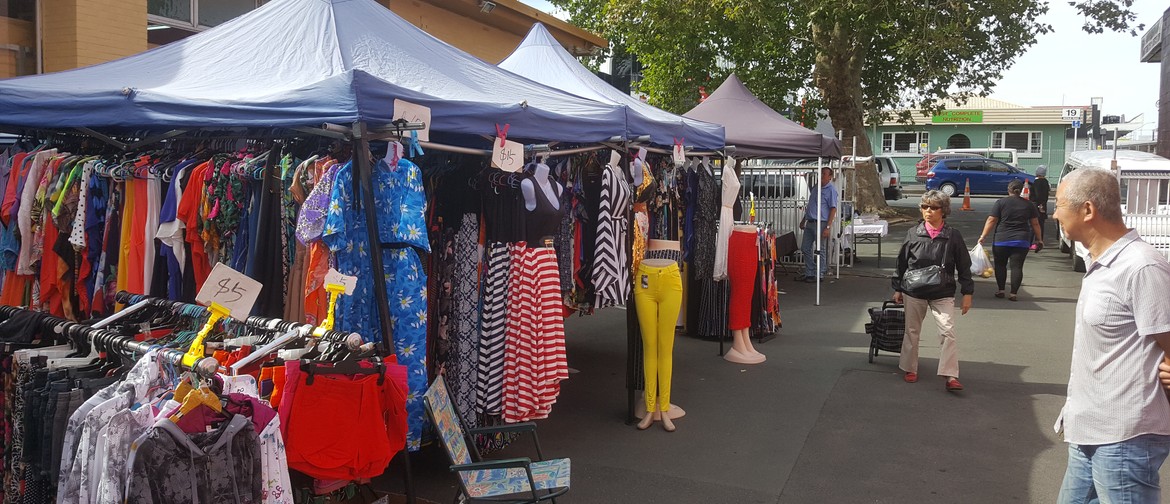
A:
[932, 263]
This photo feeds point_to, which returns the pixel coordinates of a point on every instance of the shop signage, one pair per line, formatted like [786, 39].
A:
[957, 116]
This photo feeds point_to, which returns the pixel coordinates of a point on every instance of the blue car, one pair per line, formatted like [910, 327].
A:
[987, 176]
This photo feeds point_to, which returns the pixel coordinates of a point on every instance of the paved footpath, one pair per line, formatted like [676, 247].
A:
[817, 422]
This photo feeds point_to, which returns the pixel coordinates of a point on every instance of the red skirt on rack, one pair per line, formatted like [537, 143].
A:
[743, 257]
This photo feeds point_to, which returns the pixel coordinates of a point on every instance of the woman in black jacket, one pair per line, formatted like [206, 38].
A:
[935, 245]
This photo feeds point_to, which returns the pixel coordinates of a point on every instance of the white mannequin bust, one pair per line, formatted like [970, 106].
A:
[550, 188]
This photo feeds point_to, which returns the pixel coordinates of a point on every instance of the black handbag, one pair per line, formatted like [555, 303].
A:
[916, 279]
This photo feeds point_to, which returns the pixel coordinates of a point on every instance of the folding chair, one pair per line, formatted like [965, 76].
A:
[514, 480]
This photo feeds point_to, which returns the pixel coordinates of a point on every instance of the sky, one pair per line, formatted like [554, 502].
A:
[1069, 66]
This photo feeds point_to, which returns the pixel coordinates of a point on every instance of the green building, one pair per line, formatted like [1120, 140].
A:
[1039, 134]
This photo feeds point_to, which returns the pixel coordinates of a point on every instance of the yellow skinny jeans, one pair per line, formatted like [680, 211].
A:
[658, 298]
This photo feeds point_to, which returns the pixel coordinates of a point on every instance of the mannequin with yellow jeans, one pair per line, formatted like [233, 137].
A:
[658, 299]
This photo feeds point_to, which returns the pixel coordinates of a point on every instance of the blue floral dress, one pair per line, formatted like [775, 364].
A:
[400, 204]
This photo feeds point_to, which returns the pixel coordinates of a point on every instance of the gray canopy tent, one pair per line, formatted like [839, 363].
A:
[756, 130]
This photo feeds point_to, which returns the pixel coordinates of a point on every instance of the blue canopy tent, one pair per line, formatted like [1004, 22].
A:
[541, 58]
[297, 63]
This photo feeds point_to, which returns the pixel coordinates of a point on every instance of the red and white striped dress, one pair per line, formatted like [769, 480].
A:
[534, 358]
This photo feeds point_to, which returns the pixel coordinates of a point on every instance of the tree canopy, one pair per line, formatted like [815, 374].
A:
[859, 60]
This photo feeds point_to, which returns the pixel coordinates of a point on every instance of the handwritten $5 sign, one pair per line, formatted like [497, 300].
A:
[231, 289]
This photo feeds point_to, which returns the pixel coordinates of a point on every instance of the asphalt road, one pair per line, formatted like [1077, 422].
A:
[817, 422]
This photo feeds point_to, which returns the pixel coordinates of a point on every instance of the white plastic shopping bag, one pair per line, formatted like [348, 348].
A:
[980, 264]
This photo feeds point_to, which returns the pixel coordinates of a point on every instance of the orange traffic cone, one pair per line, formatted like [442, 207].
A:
[967, 197]
[1027, 192]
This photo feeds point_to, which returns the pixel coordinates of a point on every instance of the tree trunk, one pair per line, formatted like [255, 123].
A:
[840, 61]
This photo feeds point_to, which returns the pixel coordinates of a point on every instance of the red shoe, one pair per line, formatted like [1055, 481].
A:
[953, 385]
[910, 377]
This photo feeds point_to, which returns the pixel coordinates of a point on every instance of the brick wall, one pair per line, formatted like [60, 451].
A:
[80, 33]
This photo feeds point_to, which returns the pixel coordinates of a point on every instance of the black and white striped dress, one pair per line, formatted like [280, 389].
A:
[490, 380]
[611, 273]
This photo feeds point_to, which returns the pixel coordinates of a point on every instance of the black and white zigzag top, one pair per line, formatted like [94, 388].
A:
[611, 274]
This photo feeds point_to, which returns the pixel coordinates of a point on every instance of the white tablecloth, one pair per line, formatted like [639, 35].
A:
[875, 230]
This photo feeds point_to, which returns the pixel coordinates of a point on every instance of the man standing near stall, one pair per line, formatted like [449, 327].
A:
[824, 204]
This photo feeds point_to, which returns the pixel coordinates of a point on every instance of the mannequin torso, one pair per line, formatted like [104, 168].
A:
[655, 244]
[550, 188]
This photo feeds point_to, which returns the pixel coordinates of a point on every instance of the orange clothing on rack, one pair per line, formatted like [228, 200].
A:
[136, 259]
[19, 168]
[15, 288]
[316, 298]
[124, 240]
[50, 278]
[189, 212]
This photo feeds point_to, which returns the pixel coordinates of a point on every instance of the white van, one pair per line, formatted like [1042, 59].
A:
[1145, 195]
[1009, 156]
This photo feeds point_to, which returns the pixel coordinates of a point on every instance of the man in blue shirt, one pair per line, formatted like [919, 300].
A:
[827, 207]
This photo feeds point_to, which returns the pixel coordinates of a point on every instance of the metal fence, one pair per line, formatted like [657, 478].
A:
[1154, 229]
[779, 191]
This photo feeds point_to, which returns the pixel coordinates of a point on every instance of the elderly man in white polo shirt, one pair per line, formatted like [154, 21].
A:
[1116, 418]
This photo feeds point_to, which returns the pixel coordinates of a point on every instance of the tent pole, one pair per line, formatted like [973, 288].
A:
[157, 138]
[363, 186]
[632, 331]
[102, 137]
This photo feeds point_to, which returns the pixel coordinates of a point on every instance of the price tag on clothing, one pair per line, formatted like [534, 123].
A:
[231, 289]
[335, 277]
[679, 155]
[507, 155]
[414, 113]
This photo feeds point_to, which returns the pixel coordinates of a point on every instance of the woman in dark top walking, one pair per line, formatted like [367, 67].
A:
[1040, 192]
[1017, 227]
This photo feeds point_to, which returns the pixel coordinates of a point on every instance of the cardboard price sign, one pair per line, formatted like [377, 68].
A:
[678, 155]
[509, 156]
[335, 277]
[231, 289]
[414, 113]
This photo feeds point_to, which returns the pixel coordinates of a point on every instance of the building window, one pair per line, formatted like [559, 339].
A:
[911, 142]
[958, 141]
[1026, 143]
[18, 47]
[197, 13]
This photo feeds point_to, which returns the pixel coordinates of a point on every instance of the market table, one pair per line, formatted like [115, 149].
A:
[869, 232]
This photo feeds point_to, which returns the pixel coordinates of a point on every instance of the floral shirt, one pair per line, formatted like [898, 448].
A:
[400, 204]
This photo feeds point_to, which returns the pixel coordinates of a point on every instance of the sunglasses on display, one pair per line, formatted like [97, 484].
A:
[935, 208]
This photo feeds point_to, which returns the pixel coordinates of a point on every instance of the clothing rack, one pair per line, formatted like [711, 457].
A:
[262, 323]
[115, 342]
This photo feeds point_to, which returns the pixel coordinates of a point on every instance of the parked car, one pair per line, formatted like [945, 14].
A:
[1005, 154]
[987, 176]
[929, 160]
[1145, 196]
[889, 177]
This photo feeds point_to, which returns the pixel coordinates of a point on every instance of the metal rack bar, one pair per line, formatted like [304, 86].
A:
[262, 323]
[119, 343]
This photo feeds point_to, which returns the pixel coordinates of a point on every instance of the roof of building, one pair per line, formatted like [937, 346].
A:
[999, 112]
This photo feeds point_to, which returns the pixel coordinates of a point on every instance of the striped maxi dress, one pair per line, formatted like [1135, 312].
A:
[534, 362]
[611, 273]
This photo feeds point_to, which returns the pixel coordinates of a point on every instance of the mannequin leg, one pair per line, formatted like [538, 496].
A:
[743, 339]
[648, 420]
[742, 351]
